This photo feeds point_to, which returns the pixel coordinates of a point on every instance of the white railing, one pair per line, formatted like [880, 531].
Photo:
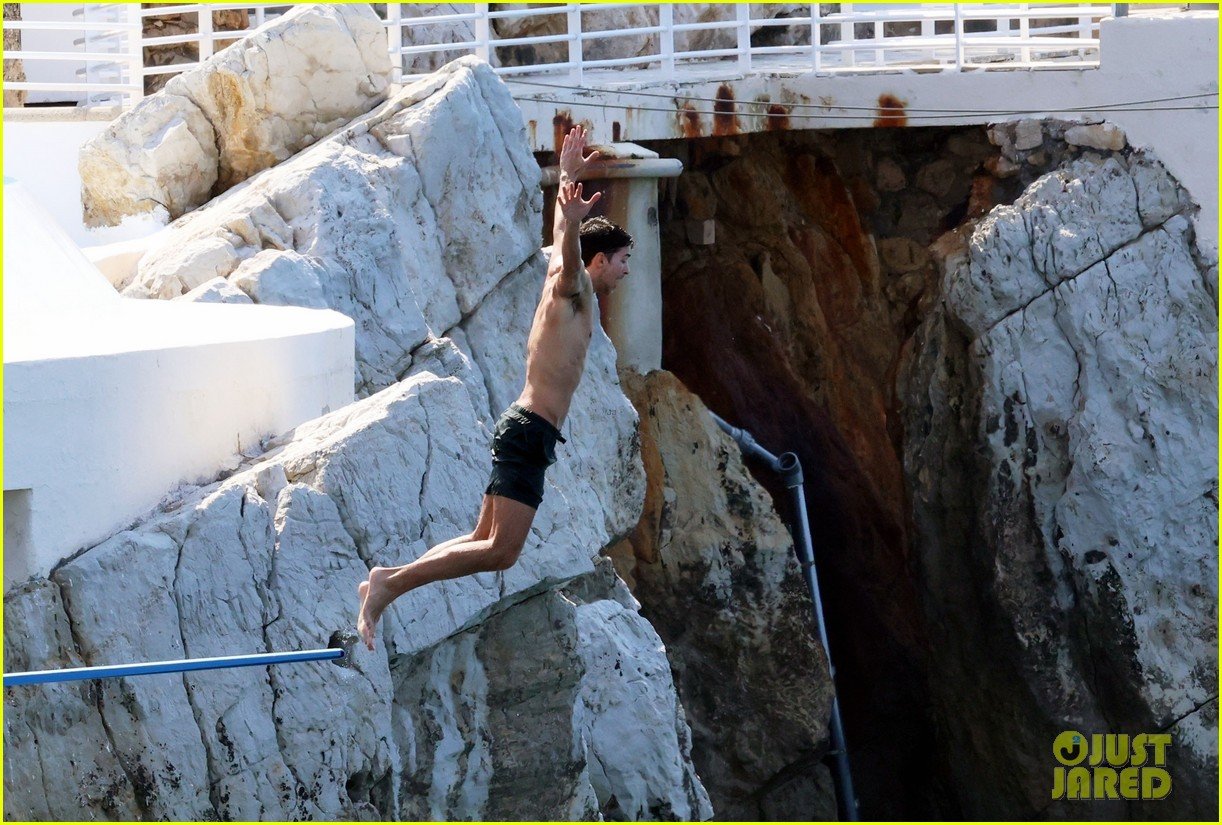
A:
[112, 53]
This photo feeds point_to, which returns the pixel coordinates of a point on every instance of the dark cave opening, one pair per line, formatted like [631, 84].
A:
[791, 324]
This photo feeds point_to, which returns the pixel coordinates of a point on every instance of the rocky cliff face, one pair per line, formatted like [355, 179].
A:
[1068, 378]
[1008, 440]
[540, 692]
[714, 569]
[494, 696]
[790, 325]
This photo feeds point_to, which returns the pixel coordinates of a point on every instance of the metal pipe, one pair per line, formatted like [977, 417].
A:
[790, 469]
[42, 677]
[609, 168]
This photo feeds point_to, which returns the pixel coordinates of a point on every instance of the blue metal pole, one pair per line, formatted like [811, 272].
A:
[42, 677]
[790, 470]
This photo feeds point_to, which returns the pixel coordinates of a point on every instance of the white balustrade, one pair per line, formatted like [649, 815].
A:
[109, 53]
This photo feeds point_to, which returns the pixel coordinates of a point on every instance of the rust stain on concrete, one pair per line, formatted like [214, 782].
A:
[891, 111]
[615, 130]
[778, 118]
[725, 122]
[561, 123]
[690, 122]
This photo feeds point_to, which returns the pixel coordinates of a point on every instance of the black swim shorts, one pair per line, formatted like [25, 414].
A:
[523, 447]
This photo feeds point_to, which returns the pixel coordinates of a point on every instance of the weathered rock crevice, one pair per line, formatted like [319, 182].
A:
[941, 388]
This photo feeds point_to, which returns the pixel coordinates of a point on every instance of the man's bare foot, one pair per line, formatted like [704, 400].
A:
[375, 595]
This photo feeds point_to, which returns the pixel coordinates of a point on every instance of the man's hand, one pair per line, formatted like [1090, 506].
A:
[572, 161]
[571, 205]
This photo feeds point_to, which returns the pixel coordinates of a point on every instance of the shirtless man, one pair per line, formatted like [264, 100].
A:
[586, 259]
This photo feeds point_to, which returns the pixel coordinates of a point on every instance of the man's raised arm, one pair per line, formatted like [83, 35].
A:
[568, 246]
[570, 209]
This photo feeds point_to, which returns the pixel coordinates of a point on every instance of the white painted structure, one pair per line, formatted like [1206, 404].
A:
[110, 402]
[104, 59]
[1151, 57]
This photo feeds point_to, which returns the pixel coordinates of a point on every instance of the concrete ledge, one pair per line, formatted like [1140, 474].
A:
[109, 403]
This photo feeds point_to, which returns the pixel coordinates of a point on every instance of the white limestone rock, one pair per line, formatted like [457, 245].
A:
[246, 108]
[595, 728]
[1028, 134]
[1064, 223]
[1070, 384]
[1103, 136]
[74, 767]
[268, 559]
[386, 222]
[216, 291]
[488, 720]
[169, 773]
[383, 221]
[281, 277]
[163, 157]
[1103, 389]
[635, 730]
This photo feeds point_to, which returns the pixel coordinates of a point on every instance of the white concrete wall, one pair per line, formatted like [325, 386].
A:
[109, 403]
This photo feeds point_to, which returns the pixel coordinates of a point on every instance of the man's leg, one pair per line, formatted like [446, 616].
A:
[495, 544]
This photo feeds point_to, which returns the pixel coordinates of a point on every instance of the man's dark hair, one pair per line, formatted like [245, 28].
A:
[600, 235]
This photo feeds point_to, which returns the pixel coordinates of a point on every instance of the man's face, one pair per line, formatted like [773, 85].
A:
[608, 270]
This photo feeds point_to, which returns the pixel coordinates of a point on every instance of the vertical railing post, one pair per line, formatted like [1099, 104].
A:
[575, 50]
[958, 37]
[816, 40]
[1024, 32]
[929, 31]
[847, 36]
[879, 29]
[90, 70]
[666, 40]
[742, 13]
[394, 41]
[135, 51]
[1085, 26]
[204, 27]
[483, 33]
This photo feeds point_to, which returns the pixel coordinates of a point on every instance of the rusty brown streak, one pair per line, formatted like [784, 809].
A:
[891, 111]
